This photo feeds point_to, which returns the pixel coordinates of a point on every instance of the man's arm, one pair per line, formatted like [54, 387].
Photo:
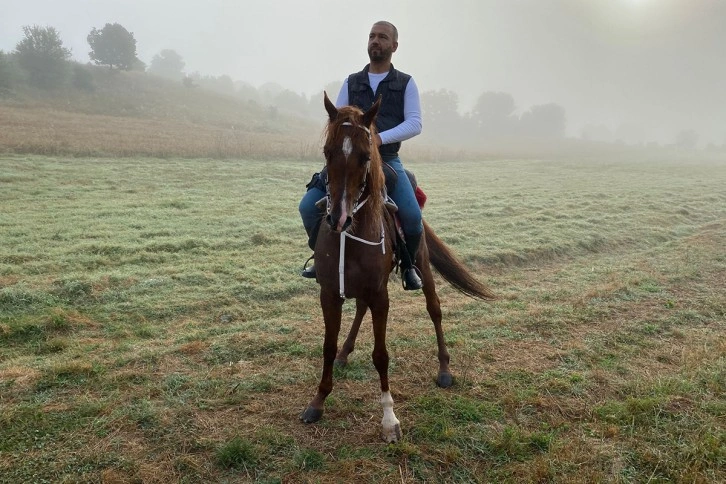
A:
[342, 95]
[411, 125]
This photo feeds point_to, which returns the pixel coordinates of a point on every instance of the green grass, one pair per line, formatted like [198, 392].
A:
[153, 327]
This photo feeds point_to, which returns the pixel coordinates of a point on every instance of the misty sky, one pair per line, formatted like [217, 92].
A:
[656, 66]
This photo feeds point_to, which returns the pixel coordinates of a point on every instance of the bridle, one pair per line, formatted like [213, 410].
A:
[356, 206]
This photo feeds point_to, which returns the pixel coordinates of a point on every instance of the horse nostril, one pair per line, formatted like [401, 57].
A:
[348, 221]
[329, 219]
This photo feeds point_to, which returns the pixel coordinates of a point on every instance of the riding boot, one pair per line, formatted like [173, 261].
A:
[410, 274]
[309, 271]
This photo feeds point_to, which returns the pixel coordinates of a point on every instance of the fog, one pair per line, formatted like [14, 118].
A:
[636, 70]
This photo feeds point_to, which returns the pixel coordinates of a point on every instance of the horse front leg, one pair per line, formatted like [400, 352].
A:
[349, 345]
[332, 306]
[391, 427]
[433, 305]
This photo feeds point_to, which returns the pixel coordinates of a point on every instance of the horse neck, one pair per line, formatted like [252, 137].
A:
[370, 217]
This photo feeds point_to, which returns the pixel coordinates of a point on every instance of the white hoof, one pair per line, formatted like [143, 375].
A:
[392, 434]
[391, 425]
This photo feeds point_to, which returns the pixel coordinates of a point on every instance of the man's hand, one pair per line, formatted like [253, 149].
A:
[378, 141]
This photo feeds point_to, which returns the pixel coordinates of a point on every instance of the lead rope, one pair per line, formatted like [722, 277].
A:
[341, 260]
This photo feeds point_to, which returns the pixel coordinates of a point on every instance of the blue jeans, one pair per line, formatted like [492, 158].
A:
[308, 211]
[408, 210]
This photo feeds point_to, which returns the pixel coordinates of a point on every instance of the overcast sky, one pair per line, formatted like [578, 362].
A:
[658, 66]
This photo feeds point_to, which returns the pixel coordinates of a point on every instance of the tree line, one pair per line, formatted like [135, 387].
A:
[41, 59]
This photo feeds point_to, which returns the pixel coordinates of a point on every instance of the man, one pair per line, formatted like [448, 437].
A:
[399, 119]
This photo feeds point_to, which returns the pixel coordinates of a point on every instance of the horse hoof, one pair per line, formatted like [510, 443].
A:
[340, 363]
[392, 435]
[311, 415]
[445, 380]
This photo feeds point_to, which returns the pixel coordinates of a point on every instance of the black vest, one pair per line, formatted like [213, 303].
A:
[390, 115]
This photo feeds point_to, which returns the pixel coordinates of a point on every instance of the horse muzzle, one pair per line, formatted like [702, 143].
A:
[338, 224]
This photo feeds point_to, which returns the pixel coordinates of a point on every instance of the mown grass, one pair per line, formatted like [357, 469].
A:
[153, 327]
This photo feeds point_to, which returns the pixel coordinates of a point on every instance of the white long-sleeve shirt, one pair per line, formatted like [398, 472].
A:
[411, 125]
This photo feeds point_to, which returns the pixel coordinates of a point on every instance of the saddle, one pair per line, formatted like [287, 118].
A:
[320, 179]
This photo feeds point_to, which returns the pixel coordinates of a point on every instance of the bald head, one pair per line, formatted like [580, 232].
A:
[394, 30]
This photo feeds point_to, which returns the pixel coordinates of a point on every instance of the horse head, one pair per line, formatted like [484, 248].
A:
[353, 162]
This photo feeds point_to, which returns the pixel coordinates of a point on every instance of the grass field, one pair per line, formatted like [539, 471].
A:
[153, 327]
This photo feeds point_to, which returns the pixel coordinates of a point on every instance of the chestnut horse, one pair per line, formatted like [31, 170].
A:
[354, 256]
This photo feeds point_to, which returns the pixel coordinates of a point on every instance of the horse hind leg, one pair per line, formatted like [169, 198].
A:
[444, 378]
[341, 359]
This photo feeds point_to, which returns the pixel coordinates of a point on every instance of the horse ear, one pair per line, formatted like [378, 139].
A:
[330, 107]
[370, 116]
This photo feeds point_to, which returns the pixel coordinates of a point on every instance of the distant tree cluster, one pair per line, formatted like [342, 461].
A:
[41, 60]
[42, 56]
[169, 64]
[492, 117]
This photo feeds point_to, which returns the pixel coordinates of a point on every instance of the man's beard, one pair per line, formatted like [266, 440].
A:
[378, 54]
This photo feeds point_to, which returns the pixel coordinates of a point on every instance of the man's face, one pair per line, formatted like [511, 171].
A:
[380, 43]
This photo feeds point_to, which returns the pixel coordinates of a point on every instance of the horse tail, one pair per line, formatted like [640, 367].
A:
[452, 270]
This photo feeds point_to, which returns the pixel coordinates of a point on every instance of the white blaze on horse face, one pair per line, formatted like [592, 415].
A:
[391, 425]
[343, 210]
[347, 147]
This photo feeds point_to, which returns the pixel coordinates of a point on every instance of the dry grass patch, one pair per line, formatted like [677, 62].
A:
[23, 377]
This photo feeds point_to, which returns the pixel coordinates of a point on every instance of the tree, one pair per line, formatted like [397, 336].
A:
[544, 121]
[83, 79]
[246, 92]
[167, 64]
[315, 103]
[439, 106]
[7, 71]
[494, 114]
[113, 45]
[222, 84]
[440, 112]
[290, 101]
[268, 91]
[42, 55]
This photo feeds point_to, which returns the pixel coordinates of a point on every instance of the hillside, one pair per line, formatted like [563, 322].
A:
[118, 113]
[133, 113]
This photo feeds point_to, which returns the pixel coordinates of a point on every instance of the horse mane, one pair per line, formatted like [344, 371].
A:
[376, 177]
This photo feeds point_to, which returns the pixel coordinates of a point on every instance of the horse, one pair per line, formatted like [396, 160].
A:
[354, 256]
